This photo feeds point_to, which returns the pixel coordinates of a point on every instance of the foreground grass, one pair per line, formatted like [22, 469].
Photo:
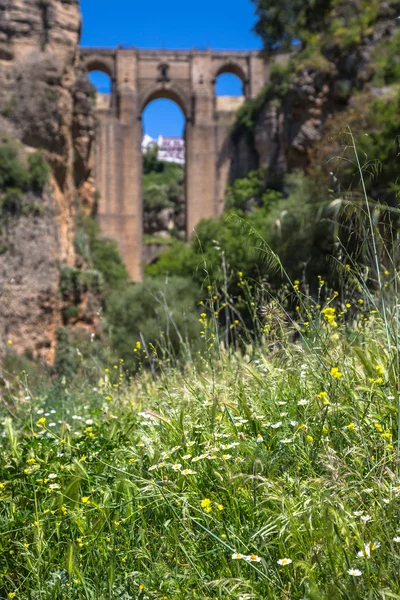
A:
[237, 477]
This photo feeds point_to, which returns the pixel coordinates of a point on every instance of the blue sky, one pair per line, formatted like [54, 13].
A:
[175, 24]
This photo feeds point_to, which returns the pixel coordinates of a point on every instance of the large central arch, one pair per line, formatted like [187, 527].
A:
[187, 78]
[170, 216]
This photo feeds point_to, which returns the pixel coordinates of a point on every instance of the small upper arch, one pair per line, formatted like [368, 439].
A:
[233, 68]
[173, 94]
[97, 63]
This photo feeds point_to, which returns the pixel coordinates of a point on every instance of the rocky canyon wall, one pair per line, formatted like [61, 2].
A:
[45, 103]
[321, 85]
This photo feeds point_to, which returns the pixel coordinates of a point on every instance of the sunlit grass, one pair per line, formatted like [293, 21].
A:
[241, 475]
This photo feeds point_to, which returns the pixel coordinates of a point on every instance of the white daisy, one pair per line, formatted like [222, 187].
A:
[354, 572]
[284, 561]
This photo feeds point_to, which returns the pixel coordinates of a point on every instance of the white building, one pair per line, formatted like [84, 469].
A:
[170, 149]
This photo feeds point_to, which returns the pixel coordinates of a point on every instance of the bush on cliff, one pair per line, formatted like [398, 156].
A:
[161, 312]
[39, 171]
[102, 253]
[13, 174]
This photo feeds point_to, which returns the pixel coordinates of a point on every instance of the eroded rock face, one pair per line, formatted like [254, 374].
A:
[27, 26]
[45, 102]
[29, 275]
[286, 131]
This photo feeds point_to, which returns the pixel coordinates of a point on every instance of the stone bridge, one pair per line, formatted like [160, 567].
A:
[188, 78]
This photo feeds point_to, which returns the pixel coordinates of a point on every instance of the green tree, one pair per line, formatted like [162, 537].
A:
[280, 22]
[151, 164]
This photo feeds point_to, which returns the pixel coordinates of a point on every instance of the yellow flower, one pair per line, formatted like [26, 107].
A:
[323, 396]
[329, 314]
[379, 369]
[336, 374]
[378, 427]
[309, 438]
[11, 595]
[351, 427]
[348, 305]
[31, 461]
[141, 587]
[85, 499]
[206, 504]
[220, 507]
[41, 422]
[361, 301]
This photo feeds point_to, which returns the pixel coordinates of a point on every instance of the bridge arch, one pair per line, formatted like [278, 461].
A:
[164, 201]
[233, 68]
[96, 63]
[170, 93]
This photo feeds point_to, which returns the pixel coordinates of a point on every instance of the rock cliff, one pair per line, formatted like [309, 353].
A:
[45, 103]
[322, 83]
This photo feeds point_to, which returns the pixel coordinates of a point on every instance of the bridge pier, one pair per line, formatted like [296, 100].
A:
[188, 78]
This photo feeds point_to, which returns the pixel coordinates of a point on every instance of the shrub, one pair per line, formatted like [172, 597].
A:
[103, 254]
[151, 164]
[250, 188]
[12, 173]
[162, 185]
[68, 280]
[155, 197]
[161, 311]
[82, 245]
[92, 280]
[39, 171]
[66, 361]
[388, 67]
[70, 312]
[275, 90]
[11, 203]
